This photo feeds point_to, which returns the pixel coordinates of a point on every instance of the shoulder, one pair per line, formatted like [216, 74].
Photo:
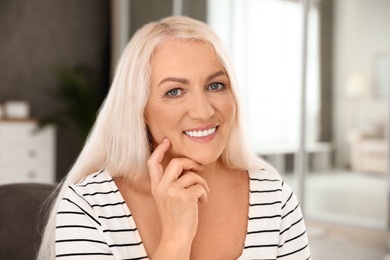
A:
[269, 184]
[95, 190]
[264, 175]
[95, 209]
[98, 197]
[269, 189]
[81, 201]
[93, 183]
[275, 217]
[101, 178]
[264, 179]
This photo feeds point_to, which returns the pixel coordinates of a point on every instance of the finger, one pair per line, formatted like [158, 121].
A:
[190, 179]
[177, 166]
[199, 193]
[154, 162]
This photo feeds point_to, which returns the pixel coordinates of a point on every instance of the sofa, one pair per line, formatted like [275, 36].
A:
[23, 210]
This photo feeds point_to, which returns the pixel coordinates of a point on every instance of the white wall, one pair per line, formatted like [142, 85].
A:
[362, 32]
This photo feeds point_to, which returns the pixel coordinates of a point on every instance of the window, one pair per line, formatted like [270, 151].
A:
[264, 38]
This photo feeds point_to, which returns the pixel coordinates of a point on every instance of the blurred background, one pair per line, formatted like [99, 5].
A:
[314, 80]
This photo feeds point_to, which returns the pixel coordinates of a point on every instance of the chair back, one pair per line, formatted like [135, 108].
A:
[23, 209]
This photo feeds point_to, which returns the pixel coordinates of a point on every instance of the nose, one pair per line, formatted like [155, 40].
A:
[200, 107]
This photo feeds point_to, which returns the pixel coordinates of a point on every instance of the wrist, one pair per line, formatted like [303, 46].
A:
[170, 248]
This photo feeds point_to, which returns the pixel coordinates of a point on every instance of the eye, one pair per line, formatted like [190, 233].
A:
[216, 86]
[174, 92]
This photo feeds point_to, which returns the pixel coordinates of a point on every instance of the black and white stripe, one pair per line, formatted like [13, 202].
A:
[276, 229]
[93, 220]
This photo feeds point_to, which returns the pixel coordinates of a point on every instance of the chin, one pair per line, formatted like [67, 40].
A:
[205, 160]
[201, 156]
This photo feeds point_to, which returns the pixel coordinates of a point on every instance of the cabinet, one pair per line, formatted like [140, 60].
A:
[368, 151]
[26, 155]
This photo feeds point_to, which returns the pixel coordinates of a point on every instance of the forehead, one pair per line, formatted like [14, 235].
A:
[177, 53]
[173, 44]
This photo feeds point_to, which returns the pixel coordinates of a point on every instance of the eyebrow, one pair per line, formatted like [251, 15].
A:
[185, 81]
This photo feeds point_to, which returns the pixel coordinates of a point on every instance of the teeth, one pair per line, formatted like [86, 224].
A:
[200, 133]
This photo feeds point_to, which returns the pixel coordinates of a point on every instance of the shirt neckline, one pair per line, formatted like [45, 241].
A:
[139, 238]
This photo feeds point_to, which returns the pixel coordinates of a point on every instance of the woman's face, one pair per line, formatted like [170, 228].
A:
[190, 101]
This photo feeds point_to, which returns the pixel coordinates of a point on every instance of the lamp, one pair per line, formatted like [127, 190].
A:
[356, 86]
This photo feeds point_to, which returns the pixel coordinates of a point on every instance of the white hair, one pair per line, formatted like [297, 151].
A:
[118, 141]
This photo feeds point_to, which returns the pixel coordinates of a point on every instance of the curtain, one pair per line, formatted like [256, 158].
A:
[264, 38]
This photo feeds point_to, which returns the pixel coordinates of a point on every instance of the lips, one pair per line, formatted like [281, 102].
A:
[201, 133]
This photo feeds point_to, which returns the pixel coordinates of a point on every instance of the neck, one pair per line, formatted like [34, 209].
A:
[214, 169]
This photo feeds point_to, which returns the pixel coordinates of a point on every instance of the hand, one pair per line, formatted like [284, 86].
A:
[177, 192]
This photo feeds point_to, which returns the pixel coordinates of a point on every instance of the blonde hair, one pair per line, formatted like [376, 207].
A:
[118, 141]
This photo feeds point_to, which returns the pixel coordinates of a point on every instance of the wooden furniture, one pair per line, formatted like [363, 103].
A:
[26, 155]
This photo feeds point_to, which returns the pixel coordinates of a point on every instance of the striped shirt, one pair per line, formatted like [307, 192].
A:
[93, 221]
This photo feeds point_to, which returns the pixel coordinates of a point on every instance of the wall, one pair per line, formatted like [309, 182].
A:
[326, 49]
[129, 16]
[144, 11]
[38, 36]
[362, 32]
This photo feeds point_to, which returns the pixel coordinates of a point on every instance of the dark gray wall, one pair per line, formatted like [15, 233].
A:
[37, 36]
[326, 50]
[144, 11]
[195, 9]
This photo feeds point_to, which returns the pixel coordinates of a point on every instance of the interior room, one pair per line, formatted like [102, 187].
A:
[314, 79]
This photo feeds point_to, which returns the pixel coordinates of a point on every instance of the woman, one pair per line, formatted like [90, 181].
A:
[165, 172]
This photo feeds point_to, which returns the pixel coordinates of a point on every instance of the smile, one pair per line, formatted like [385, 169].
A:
[203, 133]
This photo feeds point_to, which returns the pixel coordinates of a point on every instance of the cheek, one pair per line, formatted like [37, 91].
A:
[161, 122]
[152, 123]
[154, 129]
[230, 109]
[230, 117]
